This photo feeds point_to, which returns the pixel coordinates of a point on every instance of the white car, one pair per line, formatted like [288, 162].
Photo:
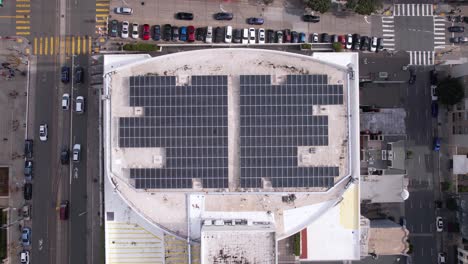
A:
[434, 93]
[65, 101]
[261, 36]
[315, 38]
[442, 258]
[245, 36]
[76, 153]
[252, 36]
[24, 257]
[135, 30]
[125, 26]
[209, 34]
[349, 41]
[439, 224]
[79, 104]
[123, 10]
[228, 34]
[373, 45]
[43, 132]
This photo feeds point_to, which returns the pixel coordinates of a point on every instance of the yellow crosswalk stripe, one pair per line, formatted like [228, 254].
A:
[67, 46]
[35, 46]
[46, 47]
[57, 45]
[51, 45]
[84, 45]
[78, 46]
[23, 5]
[102, 10]
[89, 44]
[73, 45]
[22, 33]
[62, 45]
[101, 15]
[102, 4]
[22, 0]
[22, 27]
[23, 11]
[22, 21]
[40, 46]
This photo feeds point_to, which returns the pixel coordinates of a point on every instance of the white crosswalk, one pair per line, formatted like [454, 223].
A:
[413, 10]
[439, 32]
[421, 57]
[388, 32]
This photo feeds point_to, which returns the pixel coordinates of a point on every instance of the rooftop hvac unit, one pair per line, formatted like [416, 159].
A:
[390, 155]
[208, 222]
[218, 222]
[383, 75]
[384, 154]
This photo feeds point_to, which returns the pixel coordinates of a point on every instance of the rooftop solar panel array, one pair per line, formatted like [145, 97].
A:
[275, 120]
[190, 122]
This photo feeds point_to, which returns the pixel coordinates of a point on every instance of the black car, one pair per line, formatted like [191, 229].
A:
[167, 32]
[412, 78]
[255, 21]
[325, 38]
[200, 33]
[219, 35]
[175, 33]
[334, 38]
[465, 19]
[311, 18]
[64, 156]
[356, 42]
[434, 109]
[365, 43]
[27, 191]
[28, 148]
[65, 74]
[294, 37]
[28, 169]
[379, 44]
[223, 16]
[456, 29]
[79, 73]
[433, 77]
[184, 16]
[114, 32]
[237, 35]
[270, 36]
[157, 32]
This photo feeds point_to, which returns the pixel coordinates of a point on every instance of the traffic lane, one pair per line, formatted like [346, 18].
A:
[80, 19]
[78, 191]
[7, 18]
[424, 249]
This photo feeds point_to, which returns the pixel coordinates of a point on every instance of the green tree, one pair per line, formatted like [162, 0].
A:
[450, 91]
[321, 6]
[366, 7]
[337, 47]
[351, 4]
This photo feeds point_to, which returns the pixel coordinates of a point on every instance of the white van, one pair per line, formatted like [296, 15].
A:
[79, 104]
[245, 36]
[228, 35]
[65, 101]
[76, 152]
[209, 34]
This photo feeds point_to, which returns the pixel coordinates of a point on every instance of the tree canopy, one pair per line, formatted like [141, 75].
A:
[321, 6]
[450, 91]
[366, 7]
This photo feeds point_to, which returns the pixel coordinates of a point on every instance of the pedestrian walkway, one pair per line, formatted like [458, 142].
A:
[439, 32]
[413, 10]
[388, 32]
[421, 58]
[22, 17]
[102, 15]
[69, 45]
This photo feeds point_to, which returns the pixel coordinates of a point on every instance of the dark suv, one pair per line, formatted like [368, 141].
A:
[79, 73]
[184, 16]
[255, 21]
[167, 34]
[223, 16]
[27, 192]
[64, 156]
[65, 76]
[28, 148]
[28, 169]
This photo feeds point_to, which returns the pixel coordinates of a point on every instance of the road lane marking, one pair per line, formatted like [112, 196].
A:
[40, 46]
[35, 46]
[23, 5]
[46, 46]
[51, 45]
[84, 45]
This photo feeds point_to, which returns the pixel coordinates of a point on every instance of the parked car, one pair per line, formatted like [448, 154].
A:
[261, 36]
[434, 95]
[135, 30]
[311, 18]
[200, 34]
[76, 153]
[156, 32]
[287, 36]
[64, 156]
[28, 169]
[325, 38]
[349, 41]
[175, 33]
[43, 132]
[245, 36]
[123, 10]
[441, 258]
[24, 256]
[27, 191]
[454, 40]
[65, 101]
[434, 109]
[436, 144]
[28, 148]
[294, 37]
[255, 21]
[356, 42]
[26, 236]
[252, 36]
[412, 78]
[463, 39]
[270, 36]
[79, 104]
[184, 16]
[190, 33]
[167, 32]
[302, 37]
[26, 212]
[219, 35]
[439, 224]
[315, 38]
[279, 36]
[228, 34]
[373, 44]
[456, 29]
[64, 210]
[79, 74]
[113, 29]
[237, 35]
[433, 77]
[379, 44]
[334, 38]
[183, 33]
[65, 74]
[146, 32]
[342, 40]
[223, 16]
[365, 43]
[209, 34]
[125, 26]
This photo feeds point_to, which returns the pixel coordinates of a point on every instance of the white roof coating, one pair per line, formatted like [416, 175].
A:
[181, 214]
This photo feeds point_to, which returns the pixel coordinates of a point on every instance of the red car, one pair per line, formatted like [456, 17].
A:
[342, 40]
[191, 33]
[146, 32]
[64, 210]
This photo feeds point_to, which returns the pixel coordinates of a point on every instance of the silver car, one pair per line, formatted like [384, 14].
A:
[123, 10]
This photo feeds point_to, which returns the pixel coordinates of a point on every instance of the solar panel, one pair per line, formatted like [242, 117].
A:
[275, 120]
[190, 122]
